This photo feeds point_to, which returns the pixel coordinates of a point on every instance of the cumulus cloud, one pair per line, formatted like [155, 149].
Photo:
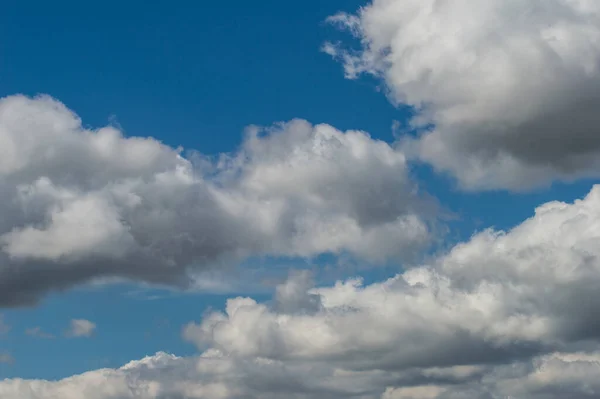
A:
[82, 204]
[504, 314]
[214, 375]
[81, 328]
[498, 296]
[511, 88]
[211, 375]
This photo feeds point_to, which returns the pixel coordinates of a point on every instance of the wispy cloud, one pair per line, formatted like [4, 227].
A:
[38, 333]
[6, 358]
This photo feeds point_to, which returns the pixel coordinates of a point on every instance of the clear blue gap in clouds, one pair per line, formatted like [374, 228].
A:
[128, 327]
[192, 74]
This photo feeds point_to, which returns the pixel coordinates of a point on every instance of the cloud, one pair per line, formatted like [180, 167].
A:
[38, 333]
[6, 358]
[214, 375]
[499, 296]
[527, 295]
[81, 328]
[504, 314]
[88, 204]
[510, 87]
[211, 375]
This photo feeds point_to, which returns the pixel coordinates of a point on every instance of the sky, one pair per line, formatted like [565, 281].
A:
[205, 201]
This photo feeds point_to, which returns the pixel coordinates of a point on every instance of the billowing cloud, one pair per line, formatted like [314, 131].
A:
[214, 375]
[505, 314]
[81, 328]
[511, 88]
[81, 204]
[211, 375]
[498, 296]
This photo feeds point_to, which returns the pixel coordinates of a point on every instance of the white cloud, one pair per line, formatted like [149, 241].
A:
[499, 298]
[505, 314]
[85, 204]
[510, 86]
[213, 375]
[529, 290]
[81, 328]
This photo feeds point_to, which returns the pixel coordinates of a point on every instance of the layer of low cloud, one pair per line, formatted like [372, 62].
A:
[511, 87]
[83, 204]
[217, 376]
[505, 314]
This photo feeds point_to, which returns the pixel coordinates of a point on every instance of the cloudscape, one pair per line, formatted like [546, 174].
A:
[393, 199]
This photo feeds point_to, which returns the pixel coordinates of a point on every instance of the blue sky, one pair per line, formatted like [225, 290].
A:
[195, 74]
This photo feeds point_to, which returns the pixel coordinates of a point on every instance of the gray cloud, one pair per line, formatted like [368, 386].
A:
[85, 204]
[498, 297]
[504, 314]
[512, 88]
[214, 375]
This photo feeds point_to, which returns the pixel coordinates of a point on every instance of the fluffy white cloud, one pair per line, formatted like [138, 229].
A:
[80, 204]
[81, 328]
[505, 314]
[497, 296]
[511, 87]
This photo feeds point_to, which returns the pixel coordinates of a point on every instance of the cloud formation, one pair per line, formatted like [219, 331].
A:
[510, 87]
[83, 204]
[505, 314]
[214, 375]
[81, 328]
[495, 298]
